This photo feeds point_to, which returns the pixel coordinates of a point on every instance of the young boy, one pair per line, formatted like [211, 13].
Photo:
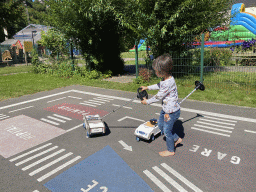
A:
[169, 95]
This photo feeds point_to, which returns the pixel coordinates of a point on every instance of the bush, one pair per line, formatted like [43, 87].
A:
[145, 74]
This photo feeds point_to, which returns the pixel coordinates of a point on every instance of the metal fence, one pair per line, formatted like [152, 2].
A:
[226, 64]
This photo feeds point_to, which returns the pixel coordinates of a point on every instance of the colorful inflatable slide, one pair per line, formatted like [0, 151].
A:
[141, 47]
[242, 28]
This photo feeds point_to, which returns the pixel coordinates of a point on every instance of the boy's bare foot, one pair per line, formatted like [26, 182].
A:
[166, 153]
[177, 142]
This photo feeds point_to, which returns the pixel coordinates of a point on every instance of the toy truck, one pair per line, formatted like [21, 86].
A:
[93, 125]
[147, 130]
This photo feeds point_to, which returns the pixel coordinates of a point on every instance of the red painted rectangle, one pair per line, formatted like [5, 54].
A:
[75, 111]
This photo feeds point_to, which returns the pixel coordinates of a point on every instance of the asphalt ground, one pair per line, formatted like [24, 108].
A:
[43, 145]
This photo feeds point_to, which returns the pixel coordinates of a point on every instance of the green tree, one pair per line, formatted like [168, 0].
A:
[13, 17]
[166, 24]
[37, 12]
[55, 41]
[92, 24]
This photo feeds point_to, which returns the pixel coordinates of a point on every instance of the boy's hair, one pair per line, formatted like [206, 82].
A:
[163, 64]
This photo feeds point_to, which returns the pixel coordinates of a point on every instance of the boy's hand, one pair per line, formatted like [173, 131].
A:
[143, 88]
[144, 101]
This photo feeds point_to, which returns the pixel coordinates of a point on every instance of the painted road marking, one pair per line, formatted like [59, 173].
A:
[75, 111]
[62, 117]
[2, 116]
[56, 100]
[250, 131]
[56, 119]
[58, 169]
[21, 109]
[101, 99]
[28, 153]
[97, 101]
[169, 179]
[42, 160]
[91, 103]
[74, 97]
[127, 117]
[20, 133]
[71, 129]
[123, 106]
[156, 181]
[49, 121]
[105, 168]
[50, 164]
[180, 177]
[135, 101]
[35, 156]
[216, 124]
[87, 104]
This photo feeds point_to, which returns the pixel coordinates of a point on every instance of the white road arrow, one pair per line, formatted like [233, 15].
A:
[126, 147]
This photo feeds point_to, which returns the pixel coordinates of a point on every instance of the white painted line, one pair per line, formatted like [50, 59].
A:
[210, 132]
[36, 191]
[35, 156]
[62, 117]
[126, 117]
[74, 97]
[56, 119]
[156, 181]
[50, 164]
[88, 104]
[32, 100]
[250, 131]
[20, 109]
[97, 101]
[220, 119]
[25, 154]
[42, 160]
[48, 121]
[214, 125]
[213, 128]
[91, 102]
[105, 98]
[56, 99]
[5, 117]
[101, 99]
[169, 179]
[220, 115]
[58, 169]
[217, 122]
[71, 129]
[123, 106]
[180, 177]
[2, 115]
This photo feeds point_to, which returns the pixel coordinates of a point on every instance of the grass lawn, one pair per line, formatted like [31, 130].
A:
[13, 69]
[29, 83]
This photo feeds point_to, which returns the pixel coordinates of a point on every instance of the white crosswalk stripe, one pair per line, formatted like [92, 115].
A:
[53, 162]
[213, 125]
[2, 116]
[58, 118]
[169, 174]
[96, 101]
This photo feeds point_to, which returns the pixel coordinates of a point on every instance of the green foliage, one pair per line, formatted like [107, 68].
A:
[35, 61]
[13, 17]
[37, 12]
[55, 41]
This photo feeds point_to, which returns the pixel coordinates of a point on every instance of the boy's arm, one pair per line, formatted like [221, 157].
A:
[154, 87]
[160, 95]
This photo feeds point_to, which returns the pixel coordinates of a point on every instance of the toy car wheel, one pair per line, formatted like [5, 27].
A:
[87, 135]
[152, 137]
[137, 138]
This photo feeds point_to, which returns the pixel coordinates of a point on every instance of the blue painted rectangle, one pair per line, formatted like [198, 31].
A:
[103, 171]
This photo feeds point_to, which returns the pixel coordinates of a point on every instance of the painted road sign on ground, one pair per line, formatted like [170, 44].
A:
[21, 133]
[75, 111]
[103, 171]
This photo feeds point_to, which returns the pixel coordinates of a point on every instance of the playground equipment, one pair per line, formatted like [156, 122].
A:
[141, 46]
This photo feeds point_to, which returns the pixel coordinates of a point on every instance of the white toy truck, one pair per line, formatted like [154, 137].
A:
[147, 130]
[93, 125]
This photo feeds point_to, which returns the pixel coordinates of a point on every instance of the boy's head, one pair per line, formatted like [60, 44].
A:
[163, 65]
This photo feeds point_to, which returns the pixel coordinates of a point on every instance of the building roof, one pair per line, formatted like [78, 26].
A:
[26, 34]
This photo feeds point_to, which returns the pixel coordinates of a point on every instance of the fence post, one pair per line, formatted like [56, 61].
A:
[71, 55]
[136, 57]
[202, 59]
